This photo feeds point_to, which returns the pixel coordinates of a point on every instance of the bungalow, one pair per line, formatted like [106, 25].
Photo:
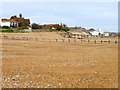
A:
[77, 34]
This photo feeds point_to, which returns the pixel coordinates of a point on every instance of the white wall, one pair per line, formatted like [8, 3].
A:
[0, 21]
[106, 34]
[95, 33]
[5, 24]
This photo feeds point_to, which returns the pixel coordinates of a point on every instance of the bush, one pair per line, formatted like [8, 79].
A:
[6, 27]
[118, 35]
[52, 30]
[36, 26]
[20, 28]
[62, 28]
[8, 30]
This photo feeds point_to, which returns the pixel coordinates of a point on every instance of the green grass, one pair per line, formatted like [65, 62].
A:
[7, 30]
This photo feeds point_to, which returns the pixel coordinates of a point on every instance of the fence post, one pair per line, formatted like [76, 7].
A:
[109, 41]
[4, 37]
[68, 40]
[81, 40]
[62, 40]
[94, 41]
[115, 42]
[101, 41]
[88, 40]
[56, 40]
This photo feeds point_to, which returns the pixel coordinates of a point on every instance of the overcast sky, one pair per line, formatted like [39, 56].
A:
[98, 15]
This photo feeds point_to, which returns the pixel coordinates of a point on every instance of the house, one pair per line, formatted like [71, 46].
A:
[106, 34]
[96, 32]
[77, 34]
[8, 22]
[15, 21]
[51, 26]
[21, 20]
[76, 29]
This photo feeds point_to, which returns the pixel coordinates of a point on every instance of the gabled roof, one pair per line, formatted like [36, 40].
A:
[20, 19]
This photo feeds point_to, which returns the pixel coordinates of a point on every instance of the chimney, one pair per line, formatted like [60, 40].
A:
[20, 15]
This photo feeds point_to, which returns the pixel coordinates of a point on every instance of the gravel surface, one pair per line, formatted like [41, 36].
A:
[31, 64]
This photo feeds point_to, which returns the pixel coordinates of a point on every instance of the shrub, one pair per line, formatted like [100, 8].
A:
[8, 30]
[6, 27]
[20, 28]
[36, 26]
[52, 30]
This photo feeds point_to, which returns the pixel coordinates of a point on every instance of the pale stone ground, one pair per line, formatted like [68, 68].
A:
[59, 64]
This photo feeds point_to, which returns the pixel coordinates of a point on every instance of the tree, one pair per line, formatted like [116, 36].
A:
[62, 28]
[5, 27]
[91, 29]
[64, 25]
[36, 26]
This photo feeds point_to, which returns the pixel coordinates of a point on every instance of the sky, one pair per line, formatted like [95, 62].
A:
[97, 15]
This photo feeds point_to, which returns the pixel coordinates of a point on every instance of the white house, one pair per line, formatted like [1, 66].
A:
[8, 22]
[97, 32]
[106, 34]
[94, 33]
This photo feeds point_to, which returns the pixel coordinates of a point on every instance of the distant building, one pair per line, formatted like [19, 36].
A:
[21, 21]
[96, 32]
[76, 29]
[106, 34]
[15, 21]
[77, 34]
[52, 26]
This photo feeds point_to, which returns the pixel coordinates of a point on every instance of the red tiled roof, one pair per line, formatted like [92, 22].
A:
[8, 20]
[20, 19]
[27, 21]
[50, 25]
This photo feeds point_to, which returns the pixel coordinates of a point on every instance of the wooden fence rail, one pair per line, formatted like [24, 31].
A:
[58, 40]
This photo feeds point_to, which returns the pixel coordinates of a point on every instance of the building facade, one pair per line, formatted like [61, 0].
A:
[15, 21]
[8, 22]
